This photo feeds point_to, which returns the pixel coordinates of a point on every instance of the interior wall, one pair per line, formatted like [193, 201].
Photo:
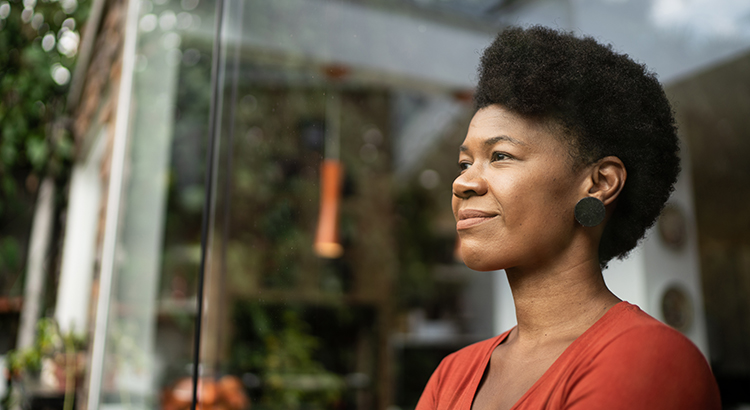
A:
[711, 109]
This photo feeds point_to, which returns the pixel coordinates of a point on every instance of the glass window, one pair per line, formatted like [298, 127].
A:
[332, 280]
[143, 338]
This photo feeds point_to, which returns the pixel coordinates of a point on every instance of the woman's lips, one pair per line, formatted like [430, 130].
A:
[471, 217]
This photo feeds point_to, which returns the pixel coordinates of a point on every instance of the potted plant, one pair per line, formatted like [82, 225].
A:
[50, 369]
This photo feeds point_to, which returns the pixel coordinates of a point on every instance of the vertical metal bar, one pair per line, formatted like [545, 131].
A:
[114, 199]
[213, 131]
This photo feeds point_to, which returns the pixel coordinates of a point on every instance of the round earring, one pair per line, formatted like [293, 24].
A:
[590, 211]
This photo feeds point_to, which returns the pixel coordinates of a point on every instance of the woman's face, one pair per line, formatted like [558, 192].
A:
[515, 196]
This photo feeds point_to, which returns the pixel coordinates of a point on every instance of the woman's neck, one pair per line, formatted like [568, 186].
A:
[558, 304]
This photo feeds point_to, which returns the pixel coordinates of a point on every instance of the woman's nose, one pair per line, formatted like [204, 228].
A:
[470, 183]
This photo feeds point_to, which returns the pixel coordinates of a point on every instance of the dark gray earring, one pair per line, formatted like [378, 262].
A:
[590, 211]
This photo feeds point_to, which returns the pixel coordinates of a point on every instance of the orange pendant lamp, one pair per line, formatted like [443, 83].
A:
[327, 243]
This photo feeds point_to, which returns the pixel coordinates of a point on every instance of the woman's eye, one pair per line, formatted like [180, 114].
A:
[463, 166]
[499, 156]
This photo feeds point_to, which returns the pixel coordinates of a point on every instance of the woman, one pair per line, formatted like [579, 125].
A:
[568, 160]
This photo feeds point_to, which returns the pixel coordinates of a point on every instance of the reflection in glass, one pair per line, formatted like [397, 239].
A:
[152, 303]
[331, 257]
[380, 89]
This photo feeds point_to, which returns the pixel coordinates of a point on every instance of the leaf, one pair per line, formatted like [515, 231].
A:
[10, 254]
[37, 152]
[64, 147]
[8, 154]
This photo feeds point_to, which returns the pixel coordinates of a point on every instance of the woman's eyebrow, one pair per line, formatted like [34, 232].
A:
[494, 140]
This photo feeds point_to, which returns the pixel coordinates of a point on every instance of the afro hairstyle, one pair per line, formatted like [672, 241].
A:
[602, 103]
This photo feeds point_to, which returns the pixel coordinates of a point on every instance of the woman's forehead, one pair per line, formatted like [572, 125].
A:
[494, 124]
[491, 141]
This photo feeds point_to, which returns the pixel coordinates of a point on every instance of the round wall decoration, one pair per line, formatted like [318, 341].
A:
[672, 226]
[677, 308]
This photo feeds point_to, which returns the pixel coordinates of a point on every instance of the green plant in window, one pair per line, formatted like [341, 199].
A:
[54, 362]
[282, 352]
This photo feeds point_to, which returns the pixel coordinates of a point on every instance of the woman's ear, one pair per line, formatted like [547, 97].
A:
[608, 176]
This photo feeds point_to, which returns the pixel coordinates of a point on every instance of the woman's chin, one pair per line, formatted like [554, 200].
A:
[479, 260]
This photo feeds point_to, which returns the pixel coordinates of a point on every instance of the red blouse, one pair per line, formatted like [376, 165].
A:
[626, 360]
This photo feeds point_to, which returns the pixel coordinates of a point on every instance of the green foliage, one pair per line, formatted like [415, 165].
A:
[26, 364]
[10, 254]
[38, 45]
[283, 354]
[276, 185]
[418, 250]
[38, 41]
[48, 341]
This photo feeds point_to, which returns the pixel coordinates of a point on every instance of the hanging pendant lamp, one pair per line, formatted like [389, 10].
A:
[327, 243]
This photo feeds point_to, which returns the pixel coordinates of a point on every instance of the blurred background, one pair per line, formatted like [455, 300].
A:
[299, 154]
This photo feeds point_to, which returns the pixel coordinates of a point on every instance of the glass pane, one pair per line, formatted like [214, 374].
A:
[332, 281]
[152, 304]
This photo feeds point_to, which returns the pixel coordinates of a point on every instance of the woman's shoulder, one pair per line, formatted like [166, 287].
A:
[629, 325]
[646, 360]
[629, 335]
